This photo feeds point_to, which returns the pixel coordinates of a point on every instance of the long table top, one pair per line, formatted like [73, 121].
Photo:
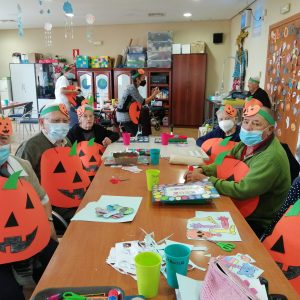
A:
[81, 254]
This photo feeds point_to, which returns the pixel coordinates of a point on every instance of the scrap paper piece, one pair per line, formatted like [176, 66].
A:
[189, 289]
[88, 213]
[241, 267]
[216, 226]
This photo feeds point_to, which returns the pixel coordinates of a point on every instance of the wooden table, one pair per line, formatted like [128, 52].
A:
[80, 257]
[12, 105]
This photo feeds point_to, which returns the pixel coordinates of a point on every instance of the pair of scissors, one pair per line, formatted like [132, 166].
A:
[74, 296]
[228, 247]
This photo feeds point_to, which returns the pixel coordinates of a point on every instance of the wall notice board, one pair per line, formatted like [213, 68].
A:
[283, 78]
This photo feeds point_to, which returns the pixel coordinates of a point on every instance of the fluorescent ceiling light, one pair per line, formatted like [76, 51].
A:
[187, 15]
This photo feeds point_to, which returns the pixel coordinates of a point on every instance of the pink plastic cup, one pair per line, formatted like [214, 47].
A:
[165, 138]
[126, 138]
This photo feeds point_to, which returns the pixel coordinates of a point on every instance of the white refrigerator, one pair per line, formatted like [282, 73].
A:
[33, 82]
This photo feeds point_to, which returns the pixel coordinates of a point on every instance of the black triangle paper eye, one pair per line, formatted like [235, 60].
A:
[11, 222]
[208, 152]
[279, 245]
[76, 178]
[100, 152]
[29, 204]
[81, 153]
[59, 168]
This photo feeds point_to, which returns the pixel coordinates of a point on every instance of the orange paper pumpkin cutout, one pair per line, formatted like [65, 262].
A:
[230, 110]
[212, 148]
[24, 226]
[90, 154]
[63, 109]
[72, 96]
[80, 110]
[5, 126]
[233, 169]
[134, 111]
[252, 102]
[63, 176]
[251, 110]
[284, 246]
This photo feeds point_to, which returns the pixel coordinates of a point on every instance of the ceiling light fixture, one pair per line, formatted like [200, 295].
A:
[156, 15]
[8, 21]
[187, 15]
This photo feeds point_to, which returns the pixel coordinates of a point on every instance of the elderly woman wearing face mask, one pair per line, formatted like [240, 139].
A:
[54, 122]
[18, 273]
[227, 119]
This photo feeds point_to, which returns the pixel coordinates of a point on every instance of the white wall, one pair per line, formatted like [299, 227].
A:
[116, 37]
[257, 45]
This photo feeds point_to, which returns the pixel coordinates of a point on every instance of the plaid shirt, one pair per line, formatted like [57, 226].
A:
[123, 117]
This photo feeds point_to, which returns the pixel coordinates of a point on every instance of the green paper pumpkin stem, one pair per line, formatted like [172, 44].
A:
[220, 157]
[295, 209]
[91, 142]
[73, 149]
[12, 181]
[225, 141]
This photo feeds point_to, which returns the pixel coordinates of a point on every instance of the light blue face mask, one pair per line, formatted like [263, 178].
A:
[251, 138]
[57, 131]
[4, 153]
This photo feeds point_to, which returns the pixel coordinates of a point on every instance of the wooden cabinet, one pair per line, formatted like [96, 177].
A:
[96, 82]
[188, 89]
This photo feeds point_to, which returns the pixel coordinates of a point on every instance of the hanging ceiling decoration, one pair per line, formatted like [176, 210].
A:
[19, 21]
[69, 13]
[48, 34]
[90, 19]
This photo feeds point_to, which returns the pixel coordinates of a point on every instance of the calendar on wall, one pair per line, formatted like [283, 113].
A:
[282, 80]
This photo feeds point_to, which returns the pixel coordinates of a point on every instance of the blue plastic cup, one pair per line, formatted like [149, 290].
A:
[177, 260]
[154, 156]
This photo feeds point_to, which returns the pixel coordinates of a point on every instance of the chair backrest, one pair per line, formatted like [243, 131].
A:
[28, 108]
[294, 165]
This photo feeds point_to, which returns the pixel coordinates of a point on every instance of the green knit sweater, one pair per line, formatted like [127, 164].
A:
[268, 177]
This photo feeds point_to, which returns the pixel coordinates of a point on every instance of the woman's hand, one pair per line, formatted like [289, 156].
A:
[195, 175]
[106, 142]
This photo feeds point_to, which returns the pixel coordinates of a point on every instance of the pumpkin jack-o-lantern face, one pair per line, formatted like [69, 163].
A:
[284, 245]
[215, 146]
[90, 154]
[235, 170]
[24, 226]
[5, 126]
[63, 176]
[134, 111]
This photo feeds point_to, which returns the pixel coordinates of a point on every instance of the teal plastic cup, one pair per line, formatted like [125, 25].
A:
[148, 273]
[177, 259]
[154, 156]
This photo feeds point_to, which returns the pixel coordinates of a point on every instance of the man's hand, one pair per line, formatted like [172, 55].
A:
[195, 175]
[106, 142]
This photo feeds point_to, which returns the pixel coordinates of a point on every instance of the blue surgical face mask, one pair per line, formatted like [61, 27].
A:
[251, 138]
[71, 76]
[57, 131]
[4, 153]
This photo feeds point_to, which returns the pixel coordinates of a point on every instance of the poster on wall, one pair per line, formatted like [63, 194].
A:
[257, 16]
[282, 80]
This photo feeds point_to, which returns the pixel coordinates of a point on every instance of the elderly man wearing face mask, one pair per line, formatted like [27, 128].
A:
[269, 174]
[16, 274]
[227, 119]
[54, 122]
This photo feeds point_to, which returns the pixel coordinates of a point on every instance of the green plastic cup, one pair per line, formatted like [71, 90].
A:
[152, 176]
[177, 259]
[148, 273]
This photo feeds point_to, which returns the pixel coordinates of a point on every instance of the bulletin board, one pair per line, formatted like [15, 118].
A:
[282, 80]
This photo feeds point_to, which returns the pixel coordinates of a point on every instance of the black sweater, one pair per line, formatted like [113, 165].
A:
[76, 133]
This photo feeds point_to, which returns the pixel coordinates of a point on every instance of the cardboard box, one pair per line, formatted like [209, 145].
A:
[34, 57]
[82, 61]
[176, 48]
[186, 48]
[198, 47]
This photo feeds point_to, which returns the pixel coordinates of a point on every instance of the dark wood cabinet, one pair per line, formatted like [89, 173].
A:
[188, 89]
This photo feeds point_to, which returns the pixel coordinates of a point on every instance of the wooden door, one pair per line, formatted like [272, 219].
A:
[188, 86]
[86, 83]
[103, 86]
[282, 80]
[122, 79]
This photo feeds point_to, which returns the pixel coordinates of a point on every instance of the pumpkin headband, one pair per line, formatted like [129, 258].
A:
[251, 79]
[61, 107]
[139, 73]
[5, 126]
[229, 110]
[253, 107]
[81, 110]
